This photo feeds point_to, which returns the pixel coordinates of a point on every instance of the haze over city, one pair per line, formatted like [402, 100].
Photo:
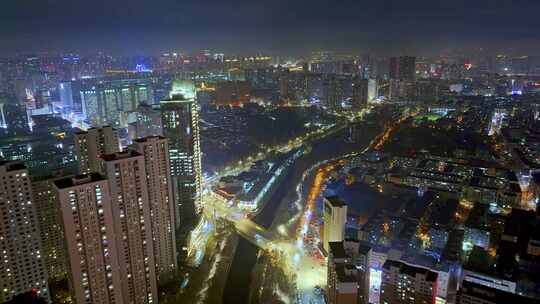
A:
[388, 27]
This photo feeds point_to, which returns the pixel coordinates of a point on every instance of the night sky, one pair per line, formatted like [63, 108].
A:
[276, 26]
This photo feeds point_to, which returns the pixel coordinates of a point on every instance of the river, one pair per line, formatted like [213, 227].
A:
[237, 289]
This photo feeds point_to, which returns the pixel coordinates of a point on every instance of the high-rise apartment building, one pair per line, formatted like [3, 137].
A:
[335, 218]
[155, 151]
[331, 92]
[104, 102]
[132, 223]
[22, 266]
[180, 117]
[404, 283]
[403, 68]
[407, 68]
[90, 144]
[87, 219]
[50, 226]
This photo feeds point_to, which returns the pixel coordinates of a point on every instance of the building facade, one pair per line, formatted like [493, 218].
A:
[90, 144]
[404, 283]
[180, 118]
[155, 151]
[132, 221]
[50, 226]
[23, 267]
[104, 103]
[87, 219]
[335, 218]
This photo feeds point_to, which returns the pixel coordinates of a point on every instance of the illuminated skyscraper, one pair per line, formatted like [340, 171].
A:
[89, 145]
[180, 119]
[22, 267]
[87, 216]
[132, 223]
[155, 151]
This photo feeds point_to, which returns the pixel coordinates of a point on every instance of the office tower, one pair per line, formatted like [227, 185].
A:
[50, 226]
[180, 119]
[403, 283]
[126, 175]
[87, 218]
[155, 151]
[22, 268]
[360, 94]
[331, 98]
[348, 272]
[90, 144]
[335, 218]
[66, 94]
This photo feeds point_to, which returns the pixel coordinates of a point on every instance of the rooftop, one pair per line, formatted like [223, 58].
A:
[120, 155]
[72, 181]
[345, 273]
[411, 270]
[148, 139]
[337, 250]
[12, 165]
[335, 201]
